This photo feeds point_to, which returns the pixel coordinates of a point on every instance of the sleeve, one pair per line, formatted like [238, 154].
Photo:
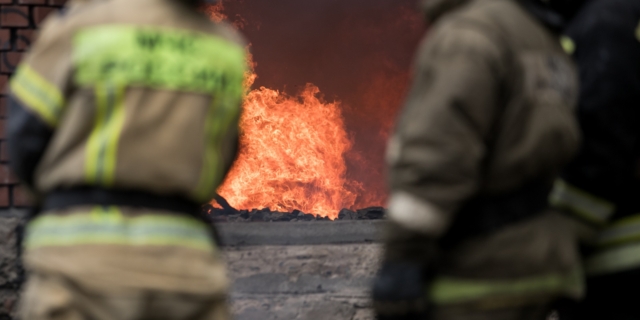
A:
[36, 99]
[607, 50]
[28, 137]
[436, 153]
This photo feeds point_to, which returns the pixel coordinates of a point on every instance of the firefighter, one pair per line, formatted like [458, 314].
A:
[123, 121]
[488, 124]
[601, 185]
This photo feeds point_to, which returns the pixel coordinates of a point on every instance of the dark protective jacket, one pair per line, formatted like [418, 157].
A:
[602, 184]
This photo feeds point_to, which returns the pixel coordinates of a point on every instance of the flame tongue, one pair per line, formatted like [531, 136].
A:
[291, 155]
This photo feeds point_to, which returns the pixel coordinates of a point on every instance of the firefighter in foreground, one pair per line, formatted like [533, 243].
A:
[601, 187]
[123, 120]
[487, 125]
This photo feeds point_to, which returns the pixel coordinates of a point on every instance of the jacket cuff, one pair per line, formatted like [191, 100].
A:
[417, 214]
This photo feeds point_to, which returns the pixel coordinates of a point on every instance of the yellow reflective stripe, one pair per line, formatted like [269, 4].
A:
[38, 94]
[450, 290]
[622, 231]
[567, 45]
[102, 146]
[581, 203]
[614, 259]
[107, 226]
[156, 57]
[221, 115]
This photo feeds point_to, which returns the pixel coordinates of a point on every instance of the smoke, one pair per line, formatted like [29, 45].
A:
[358, 52]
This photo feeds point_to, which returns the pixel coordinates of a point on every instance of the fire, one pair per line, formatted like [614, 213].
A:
[292, 155]
[295, 149]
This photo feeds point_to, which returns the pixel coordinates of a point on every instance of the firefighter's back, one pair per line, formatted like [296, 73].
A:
[137, 103]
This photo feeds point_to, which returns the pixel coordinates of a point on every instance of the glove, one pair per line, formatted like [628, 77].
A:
[399, 292]
[399, 289]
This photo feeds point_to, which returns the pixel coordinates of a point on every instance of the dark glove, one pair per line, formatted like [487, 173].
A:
[399, 292]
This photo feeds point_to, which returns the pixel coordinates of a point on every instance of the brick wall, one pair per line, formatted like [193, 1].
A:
[19, 20]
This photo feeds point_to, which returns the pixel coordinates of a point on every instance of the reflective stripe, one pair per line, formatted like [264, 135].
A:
[589, 207]
[449, 290]
[417, 214]
[160, 58]
[568, 45]
[109, 227]
[102, 146]
[219, 119]
[622, 231]
[614, 259]
[44, 98]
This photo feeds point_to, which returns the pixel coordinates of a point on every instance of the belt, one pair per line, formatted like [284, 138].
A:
[93, 196]
[80, 196]
[488, 213]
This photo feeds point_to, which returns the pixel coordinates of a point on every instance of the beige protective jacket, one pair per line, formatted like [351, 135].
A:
[138, 95]
[491, 110]
[141, 95]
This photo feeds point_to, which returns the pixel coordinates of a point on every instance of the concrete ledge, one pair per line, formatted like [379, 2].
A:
[300, 233]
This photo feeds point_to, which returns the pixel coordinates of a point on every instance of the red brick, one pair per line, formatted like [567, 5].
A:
[40, 13]
[58, 3]
[32, 1]
[4, 80]
[4, 197]
[3, 107]
[4, 156]
[21, 197]
[9, 61]
[6, 176]
[24, 38]
[5, 39]
[6, 1]
[14, 16]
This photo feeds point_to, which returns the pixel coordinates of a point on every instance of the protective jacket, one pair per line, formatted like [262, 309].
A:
[486, 127]
[602, 184]
[123, 120]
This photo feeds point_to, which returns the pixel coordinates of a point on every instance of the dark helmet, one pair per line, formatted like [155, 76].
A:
[554, 13]
[566, 8]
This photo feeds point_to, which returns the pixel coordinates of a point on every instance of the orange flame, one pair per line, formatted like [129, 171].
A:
[291, 155]
[292, 151]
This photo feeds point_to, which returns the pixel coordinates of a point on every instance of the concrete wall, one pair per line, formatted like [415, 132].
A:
[10, 271]
[302, 282]
[290, 270]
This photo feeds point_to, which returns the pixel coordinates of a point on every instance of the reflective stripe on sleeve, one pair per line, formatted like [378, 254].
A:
[108, 226]
[620, 232]
[417, 214]
[614, 259]
[450, 290]
[38, 94]
[586, 206]
[102, 146]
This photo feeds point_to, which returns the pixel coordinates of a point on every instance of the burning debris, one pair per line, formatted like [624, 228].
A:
[266, 215]
[226, 213]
